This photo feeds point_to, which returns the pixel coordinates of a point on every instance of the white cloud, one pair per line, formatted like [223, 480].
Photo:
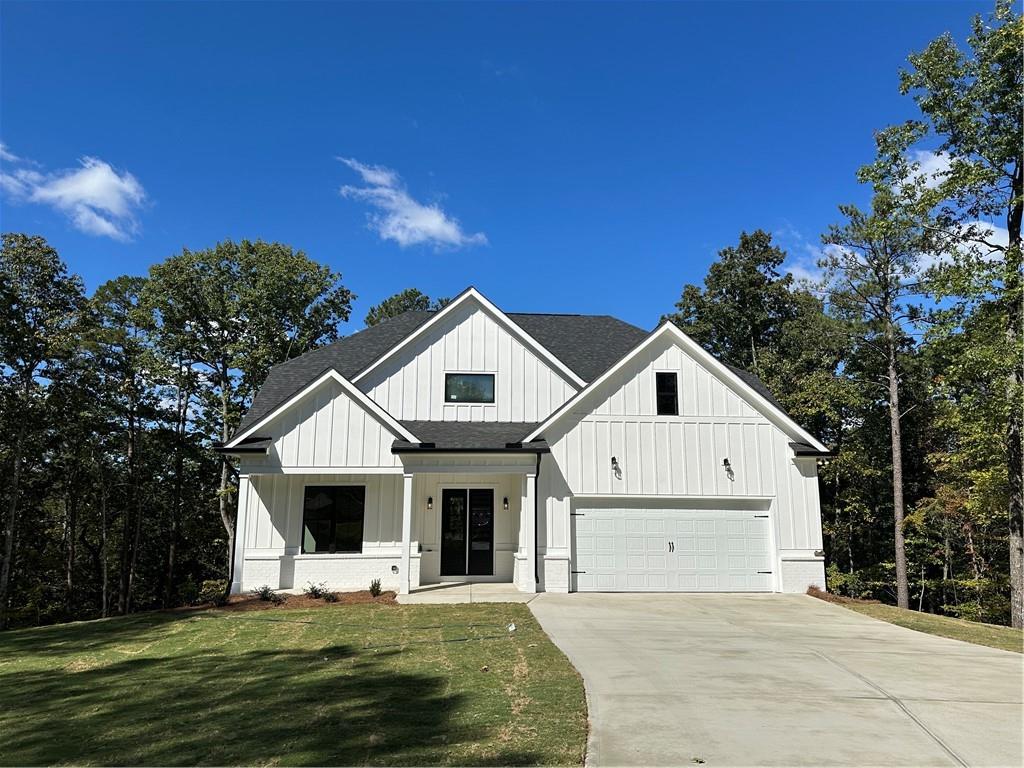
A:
[933, 167]
[401, 217]
[95, 197]
[6, 155]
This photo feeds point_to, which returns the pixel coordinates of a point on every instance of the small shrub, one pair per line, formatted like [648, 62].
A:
[276, 598]
[188, 592]
[264, 593]
[330, 597]
[316, 591]
[213, 591]
[375, 589]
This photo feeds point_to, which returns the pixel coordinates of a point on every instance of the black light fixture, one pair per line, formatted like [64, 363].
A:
[726, 464]
[616, 469]
[430, 502]
[504, 503]
[394, 569]
[728, 469]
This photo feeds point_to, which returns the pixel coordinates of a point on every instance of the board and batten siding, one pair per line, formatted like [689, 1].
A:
[273, 523]
[411, 385]
[676, 455]
[328, 429]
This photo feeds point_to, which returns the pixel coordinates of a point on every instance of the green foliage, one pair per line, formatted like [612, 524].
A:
[315, 591]
[403, 301]
[330, 597]
[113, 402]
[264, 592]
[213, 591]
[375, 589]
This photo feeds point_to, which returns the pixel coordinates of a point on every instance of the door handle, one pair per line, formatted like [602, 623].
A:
[671, 546]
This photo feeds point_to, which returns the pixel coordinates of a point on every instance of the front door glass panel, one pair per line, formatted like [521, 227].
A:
[467, 532]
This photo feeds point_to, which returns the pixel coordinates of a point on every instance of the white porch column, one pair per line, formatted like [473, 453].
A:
[241, 517]
[527, 529]
[403, 571]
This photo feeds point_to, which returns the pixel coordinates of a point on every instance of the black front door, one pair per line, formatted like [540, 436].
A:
[467, 532]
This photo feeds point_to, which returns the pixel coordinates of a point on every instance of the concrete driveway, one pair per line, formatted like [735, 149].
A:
[780, 680]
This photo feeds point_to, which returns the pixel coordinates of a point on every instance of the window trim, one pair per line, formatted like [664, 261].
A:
[494, 388]
[302, 531]
[657, 403]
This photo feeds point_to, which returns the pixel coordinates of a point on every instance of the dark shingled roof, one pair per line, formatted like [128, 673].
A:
[473, 435]
[588, 344]
[348, 356]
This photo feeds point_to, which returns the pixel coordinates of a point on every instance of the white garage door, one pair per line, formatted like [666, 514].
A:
[635, 549]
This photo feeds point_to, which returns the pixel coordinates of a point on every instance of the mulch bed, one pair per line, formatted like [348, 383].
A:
[240, 603]
[828, 597]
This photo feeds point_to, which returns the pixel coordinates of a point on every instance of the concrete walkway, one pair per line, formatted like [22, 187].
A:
[780, 680]
[466, 592]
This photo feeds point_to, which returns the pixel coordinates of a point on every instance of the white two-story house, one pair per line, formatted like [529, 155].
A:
[553, 452]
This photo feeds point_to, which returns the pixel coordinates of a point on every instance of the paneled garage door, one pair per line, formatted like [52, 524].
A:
[635, 549]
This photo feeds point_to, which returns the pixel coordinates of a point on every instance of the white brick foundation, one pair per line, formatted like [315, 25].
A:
[799, 573]
[346, 573]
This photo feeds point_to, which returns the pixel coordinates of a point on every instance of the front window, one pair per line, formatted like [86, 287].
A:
[469, 387]
[332, 518]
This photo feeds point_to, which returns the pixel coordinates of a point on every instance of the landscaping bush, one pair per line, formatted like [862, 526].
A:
[213, 591]
[264, 592]
[375, 589]
[277, 598]
[330, 597]
[315, 591]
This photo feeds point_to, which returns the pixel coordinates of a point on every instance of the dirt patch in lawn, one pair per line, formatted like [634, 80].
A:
[239, 603]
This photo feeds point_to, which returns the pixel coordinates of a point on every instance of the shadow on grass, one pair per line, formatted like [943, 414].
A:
[331, 706]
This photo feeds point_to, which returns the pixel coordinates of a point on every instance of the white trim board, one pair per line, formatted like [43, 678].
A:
[703, 357]
[472, 294]
[350, 389]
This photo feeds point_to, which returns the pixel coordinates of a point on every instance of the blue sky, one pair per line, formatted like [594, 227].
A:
[561, 157]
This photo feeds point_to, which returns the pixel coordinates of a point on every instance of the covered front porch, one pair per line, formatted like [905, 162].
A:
[467, 518]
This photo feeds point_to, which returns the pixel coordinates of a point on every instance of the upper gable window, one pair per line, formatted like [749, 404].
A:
[469, 387]
[667, 385]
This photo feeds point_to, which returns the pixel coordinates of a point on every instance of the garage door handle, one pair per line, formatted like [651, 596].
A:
[671, 546]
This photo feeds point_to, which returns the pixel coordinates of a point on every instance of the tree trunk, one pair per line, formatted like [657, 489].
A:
[902, 585]
[104, 570]
[179, 468]
[129, 539]
[12, 512]
[71, 509]
[1014, 427]
[225, 475]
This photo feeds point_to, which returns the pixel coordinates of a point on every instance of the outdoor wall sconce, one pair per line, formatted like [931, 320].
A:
[430, 502]
[728, 469]
[616, 469]
[504, 503]
[394, 569]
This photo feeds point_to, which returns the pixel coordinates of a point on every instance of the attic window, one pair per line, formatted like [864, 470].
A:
[469, 387]
[667, 387]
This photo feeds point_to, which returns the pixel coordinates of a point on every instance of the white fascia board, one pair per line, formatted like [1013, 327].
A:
[472, 294]
[709, 361]
[350, 389]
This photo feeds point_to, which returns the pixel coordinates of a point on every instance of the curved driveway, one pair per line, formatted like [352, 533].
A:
[780, 680]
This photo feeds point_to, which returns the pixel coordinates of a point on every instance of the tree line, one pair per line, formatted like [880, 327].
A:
[905, 357]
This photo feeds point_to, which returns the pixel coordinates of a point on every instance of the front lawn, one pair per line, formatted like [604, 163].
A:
[338, 685]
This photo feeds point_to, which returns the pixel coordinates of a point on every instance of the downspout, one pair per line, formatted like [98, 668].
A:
[536, 517]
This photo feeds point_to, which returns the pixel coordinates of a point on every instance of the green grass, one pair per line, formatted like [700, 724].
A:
[992, 635]
[342, 685]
